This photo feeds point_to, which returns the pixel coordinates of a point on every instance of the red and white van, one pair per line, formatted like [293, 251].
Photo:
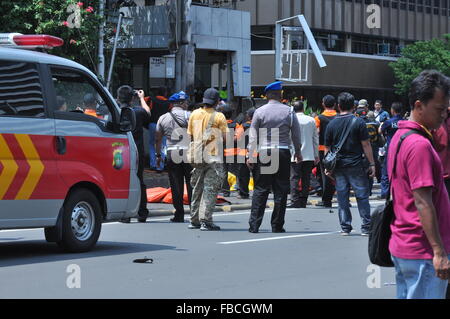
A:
[68, 160]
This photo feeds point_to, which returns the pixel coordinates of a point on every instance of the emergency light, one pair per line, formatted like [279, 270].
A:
[29, 41]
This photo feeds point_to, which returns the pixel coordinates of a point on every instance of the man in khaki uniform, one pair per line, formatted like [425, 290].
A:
[207, 177]
[172, 125]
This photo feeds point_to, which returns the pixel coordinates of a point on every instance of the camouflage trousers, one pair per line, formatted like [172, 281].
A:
[206, 182]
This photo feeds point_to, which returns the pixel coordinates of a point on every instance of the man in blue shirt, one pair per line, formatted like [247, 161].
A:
[380, 114]
[388, 129]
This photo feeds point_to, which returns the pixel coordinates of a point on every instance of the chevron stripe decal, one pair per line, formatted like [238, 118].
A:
[10, 167]
[36, 166]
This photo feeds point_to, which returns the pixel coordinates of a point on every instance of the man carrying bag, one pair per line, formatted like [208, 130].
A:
[207, 129]
[348, 140]
[420, 240]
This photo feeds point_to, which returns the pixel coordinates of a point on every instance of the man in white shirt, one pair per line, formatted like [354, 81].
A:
[310, 153]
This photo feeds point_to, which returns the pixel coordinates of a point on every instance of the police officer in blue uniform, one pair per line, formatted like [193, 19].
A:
[273, 130]
[172, 126]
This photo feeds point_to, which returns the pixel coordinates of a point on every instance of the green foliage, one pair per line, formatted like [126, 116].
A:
[51, 17]
[421, 55]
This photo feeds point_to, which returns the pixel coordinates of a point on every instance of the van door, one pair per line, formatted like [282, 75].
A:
[31, 192]
[89, 151]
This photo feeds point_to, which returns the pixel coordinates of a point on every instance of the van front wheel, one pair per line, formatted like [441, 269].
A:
[81, 222]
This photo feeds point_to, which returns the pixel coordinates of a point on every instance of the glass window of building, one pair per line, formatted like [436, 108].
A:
[375, 46]
[330, 41]
[262, 38]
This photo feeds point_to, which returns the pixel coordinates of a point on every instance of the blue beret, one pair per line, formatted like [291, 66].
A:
[180, 96]
[275, 86]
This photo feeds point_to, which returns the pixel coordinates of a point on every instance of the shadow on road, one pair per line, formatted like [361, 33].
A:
[38, 251]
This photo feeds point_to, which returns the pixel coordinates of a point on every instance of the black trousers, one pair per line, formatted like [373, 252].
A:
[300, 171]
[279, 182]
[143, 211]
[376, 159]
[178, 175]
[328, 187]
[243, 180]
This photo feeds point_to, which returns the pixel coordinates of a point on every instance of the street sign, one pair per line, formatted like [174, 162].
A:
[157, 67]
[162, 67]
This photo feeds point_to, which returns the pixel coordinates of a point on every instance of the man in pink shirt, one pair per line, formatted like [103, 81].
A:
[441, 139]
[442, 144]
[420, 242]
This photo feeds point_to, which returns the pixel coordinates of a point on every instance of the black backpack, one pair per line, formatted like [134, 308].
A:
[382, 218]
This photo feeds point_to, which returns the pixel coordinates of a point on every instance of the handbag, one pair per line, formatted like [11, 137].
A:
[330, 159]
[196, 147]
[381, 219]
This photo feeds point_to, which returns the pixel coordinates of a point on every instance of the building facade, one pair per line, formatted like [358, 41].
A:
[356, 48]
[219, 38]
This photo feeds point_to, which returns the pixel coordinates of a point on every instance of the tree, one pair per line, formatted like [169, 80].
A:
[421, 55]
[59, 18]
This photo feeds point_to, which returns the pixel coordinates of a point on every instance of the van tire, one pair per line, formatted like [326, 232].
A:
[81, 221]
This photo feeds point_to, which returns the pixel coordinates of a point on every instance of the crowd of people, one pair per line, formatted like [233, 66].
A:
[345, 147]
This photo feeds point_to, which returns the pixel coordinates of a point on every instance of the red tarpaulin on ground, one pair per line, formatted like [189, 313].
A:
[164, 195]
[156, 195]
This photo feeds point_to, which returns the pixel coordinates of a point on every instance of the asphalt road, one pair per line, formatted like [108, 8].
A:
[310, 260]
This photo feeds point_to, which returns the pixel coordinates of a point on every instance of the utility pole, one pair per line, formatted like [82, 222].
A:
[185, 56]
[116, 39]
[101, 46]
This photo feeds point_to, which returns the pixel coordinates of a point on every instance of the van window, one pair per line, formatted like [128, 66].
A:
[20, 90]
[75, 93]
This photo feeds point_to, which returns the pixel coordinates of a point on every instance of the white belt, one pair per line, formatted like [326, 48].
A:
[175, 148]
[275, 147]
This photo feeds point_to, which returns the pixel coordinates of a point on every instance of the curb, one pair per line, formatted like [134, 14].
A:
[225, 209]
[229, 208]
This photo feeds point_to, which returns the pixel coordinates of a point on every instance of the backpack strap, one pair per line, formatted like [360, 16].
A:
[177, 121]
[345, 135]
[207, 133]
[402, 138]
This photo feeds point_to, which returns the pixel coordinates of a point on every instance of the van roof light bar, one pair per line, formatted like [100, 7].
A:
[29, 41]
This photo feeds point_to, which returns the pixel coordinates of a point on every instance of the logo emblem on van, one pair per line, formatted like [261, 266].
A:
[117, 156]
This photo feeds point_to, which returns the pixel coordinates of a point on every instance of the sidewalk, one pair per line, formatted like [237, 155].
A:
[161, 209]
[154, 179]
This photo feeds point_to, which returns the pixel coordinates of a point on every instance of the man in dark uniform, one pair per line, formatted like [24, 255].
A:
[376, 141]
[272, 126]
[124, 97]
[159, 106]
[230, 153]
[322, 121]
[388, 129]
[244, 171]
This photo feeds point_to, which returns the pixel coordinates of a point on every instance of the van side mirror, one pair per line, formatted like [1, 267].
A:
[127, 120]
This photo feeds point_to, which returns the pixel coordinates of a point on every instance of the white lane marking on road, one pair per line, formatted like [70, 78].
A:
[273, 238]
